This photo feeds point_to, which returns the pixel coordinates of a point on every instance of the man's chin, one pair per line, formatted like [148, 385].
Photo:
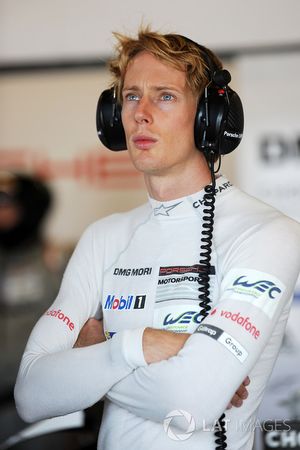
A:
[148, 169]
[146, 164]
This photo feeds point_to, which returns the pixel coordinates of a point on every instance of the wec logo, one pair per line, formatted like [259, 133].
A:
[185, 317]
[261, 289]
[258, 287]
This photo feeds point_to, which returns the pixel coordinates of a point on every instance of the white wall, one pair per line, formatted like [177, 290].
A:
[31, 29]
[48, 128]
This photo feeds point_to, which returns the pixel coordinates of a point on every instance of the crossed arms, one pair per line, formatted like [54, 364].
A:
[158, 345]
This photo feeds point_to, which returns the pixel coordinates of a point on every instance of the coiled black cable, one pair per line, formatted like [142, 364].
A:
[209, 199]
[206, 248]
[220, 433]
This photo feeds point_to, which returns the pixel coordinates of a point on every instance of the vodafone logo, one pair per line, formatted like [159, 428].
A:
[61, 316]
[243, 321]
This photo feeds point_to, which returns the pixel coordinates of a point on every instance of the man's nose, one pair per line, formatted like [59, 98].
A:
[143, 112]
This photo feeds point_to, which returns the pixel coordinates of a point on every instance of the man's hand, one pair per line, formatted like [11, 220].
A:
[91, 333]
[160, 344]
[240, 395]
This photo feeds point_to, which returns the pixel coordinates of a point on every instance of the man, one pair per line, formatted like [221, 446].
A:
[139, 272]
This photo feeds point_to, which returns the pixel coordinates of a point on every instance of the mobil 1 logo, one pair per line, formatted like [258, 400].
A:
[123, 303]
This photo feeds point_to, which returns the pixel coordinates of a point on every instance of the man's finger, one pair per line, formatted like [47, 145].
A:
[240, 395]
[236, 401]
[246, 381]
[242, 392]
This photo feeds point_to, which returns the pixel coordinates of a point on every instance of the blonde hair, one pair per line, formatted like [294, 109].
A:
[173, 49]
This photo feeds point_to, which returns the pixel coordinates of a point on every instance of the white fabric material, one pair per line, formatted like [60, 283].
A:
[140, 269]
[132, 348]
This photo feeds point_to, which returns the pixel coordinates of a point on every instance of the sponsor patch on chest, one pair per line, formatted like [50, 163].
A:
[132, 272]
[180, 282]
[120, 303]
[177, 318]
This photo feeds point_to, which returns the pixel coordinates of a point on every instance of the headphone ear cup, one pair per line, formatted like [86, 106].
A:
[209, 117]
[232, 131]
[219, 121]
[109, 122]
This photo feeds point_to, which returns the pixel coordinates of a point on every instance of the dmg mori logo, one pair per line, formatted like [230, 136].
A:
[260, 286]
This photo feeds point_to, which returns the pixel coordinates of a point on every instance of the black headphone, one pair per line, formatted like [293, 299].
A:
[219, 120]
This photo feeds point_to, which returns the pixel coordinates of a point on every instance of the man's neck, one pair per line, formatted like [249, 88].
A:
[165, 187]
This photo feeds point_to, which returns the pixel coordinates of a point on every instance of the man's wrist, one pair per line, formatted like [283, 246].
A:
[159, 345]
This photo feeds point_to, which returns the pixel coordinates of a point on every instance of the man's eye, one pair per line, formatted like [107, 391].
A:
[167, 97]
[132, 97]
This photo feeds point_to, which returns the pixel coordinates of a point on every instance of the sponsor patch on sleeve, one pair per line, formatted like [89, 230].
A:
[258, 288]
[225, 339]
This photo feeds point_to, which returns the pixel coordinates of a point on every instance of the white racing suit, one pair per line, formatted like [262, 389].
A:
[140, 269]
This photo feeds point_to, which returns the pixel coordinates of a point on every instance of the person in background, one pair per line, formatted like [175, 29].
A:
[30, 271]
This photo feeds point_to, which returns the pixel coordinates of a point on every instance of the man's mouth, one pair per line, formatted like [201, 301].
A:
[144, 142]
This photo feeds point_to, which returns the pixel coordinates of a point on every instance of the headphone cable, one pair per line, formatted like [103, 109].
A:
[204, 277]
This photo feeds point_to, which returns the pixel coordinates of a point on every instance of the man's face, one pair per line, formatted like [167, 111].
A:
[158, 115]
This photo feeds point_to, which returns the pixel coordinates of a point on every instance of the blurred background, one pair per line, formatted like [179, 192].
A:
[56, 177]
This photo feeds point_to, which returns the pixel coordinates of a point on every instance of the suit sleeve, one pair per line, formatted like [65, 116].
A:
[54, 379]
[259, 275]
